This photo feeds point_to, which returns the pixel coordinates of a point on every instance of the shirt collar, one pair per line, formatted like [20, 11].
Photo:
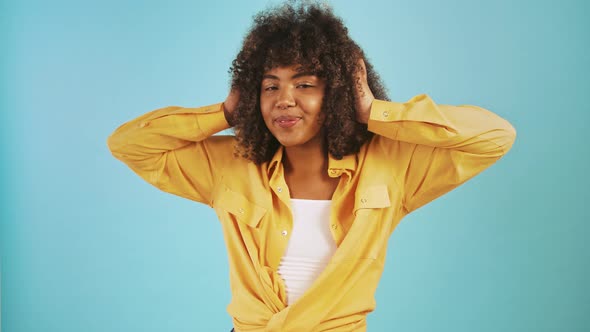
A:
[335, 166]
[278, 156]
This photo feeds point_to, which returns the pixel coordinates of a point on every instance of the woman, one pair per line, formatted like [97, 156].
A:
[321, 169]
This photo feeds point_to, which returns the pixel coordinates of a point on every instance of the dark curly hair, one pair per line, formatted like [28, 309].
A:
[310, 35]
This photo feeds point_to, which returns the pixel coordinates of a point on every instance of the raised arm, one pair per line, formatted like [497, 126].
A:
[433, 148]
[172, 148]
[437, 147]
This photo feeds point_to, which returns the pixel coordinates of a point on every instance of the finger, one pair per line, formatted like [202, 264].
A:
[362, 67]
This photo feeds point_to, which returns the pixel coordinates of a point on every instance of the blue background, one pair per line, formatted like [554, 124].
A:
[88, 246]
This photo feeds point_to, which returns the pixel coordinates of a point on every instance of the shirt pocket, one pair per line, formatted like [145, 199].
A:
[366, 237]
[241, 208]
[371, 197]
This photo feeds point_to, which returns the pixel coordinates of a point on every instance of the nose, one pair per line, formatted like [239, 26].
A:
[285, 99]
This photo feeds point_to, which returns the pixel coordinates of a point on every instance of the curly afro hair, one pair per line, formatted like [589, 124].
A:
[311, 36]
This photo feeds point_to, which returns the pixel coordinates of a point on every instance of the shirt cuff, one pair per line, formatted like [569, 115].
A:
[211, 119]
[382, 114]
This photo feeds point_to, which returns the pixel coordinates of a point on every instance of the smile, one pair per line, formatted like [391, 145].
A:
[287, 121]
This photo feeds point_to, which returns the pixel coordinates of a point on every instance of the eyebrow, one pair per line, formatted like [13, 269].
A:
[273, 77]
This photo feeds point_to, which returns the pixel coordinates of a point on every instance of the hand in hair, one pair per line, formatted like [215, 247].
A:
[230, 104]
[363, 95]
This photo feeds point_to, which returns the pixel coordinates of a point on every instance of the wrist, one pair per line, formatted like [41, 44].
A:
[364, 112]
[230, 104]
[228, 115]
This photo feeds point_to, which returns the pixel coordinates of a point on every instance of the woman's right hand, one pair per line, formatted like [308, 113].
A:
[230, 104]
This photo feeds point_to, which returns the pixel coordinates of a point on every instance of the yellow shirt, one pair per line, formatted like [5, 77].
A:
[420, 151]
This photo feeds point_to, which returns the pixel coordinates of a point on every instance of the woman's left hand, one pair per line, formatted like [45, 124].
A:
[362, 94]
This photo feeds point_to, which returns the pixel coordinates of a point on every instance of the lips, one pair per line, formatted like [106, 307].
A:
[287, 121]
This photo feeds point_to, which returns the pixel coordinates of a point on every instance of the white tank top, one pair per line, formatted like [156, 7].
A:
[310, 246]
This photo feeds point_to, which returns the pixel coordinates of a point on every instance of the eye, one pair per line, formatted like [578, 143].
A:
[270, 88]
[304, 86]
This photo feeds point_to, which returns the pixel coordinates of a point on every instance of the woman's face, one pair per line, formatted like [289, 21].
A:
[291, 104]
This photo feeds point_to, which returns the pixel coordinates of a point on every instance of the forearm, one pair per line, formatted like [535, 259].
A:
[165, 129]
[168, 148]
[464, 128]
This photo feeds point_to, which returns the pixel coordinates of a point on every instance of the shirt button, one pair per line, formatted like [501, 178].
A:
[334, 172]
[241, 210]
[334, 226]
[385, 113]
[284, 233]
[280, 189]
[363, 200]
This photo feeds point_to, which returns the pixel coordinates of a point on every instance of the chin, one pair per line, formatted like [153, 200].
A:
[290, 141]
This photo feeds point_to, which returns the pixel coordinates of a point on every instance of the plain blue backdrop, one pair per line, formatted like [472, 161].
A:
[87, 246]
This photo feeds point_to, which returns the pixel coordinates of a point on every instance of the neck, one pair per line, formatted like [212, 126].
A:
[309, 159]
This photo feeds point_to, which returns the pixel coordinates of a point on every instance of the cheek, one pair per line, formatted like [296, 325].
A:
[265, 108]
[320, 120]
[266, 118]
[315, 108]
[315, 103]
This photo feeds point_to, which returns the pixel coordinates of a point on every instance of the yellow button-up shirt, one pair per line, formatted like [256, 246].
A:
[420, 151]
